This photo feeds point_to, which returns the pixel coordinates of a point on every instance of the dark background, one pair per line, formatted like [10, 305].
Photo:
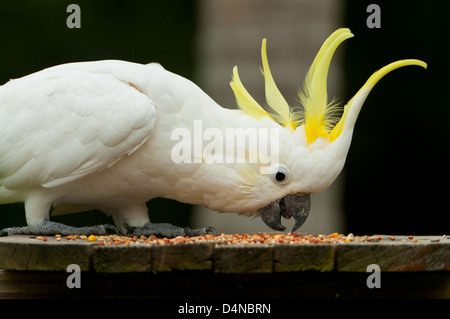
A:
[396, 174]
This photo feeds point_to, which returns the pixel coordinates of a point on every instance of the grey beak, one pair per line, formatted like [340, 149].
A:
[292, 205]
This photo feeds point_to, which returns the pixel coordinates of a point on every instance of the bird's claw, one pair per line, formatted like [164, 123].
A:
[167, 230]
[49, 228]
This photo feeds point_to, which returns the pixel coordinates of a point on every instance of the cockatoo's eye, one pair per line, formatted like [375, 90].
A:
[279, 173]
[280, 176]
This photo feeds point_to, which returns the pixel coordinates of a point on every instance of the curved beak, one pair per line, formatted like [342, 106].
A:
[292, 205]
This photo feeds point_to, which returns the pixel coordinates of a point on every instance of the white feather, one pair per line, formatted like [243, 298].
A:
[69, 121]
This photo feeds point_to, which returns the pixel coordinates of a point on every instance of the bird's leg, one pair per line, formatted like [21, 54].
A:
[37, 209]
[49, 228]
[168, 230]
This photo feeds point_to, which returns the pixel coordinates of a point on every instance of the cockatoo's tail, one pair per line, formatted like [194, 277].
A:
[317, 118]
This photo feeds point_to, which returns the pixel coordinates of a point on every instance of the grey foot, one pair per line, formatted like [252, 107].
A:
[168, 230]
[48, 228]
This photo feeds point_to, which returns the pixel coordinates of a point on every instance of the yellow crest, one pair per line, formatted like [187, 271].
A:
[317, 115]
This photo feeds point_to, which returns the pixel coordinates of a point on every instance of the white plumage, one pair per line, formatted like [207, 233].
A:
[91, 135]
[66, 122]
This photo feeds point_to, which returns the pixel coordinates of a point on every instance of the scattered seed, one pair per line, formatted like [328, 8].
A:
[230, 239]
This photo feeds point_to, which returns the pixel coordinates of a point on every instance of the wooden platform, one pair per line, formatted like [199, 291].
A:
[401, 254]
[36, 268]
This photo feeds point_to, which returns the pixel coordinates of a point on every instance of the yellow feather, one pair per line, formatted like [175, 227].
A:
[244, 100]
[375, 77]
[318, 114]
[278, 107]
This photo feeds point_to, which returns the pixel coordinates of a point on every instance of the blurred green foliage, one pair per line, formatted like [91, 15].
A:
[34, 34]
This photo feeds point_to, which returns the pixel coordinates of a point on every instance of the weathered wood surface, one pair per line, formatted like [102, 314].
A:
[401, 255]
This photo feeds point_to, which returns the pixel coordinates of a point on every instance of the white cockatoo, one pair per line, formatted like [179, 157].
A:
[111, 135]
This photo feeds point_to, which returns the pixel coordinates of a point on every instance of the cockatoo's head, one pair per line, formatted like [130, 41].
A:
[315, 139]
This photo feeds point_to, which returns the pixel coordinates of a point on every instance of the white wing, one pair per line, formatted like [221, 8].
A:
[66, 122]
